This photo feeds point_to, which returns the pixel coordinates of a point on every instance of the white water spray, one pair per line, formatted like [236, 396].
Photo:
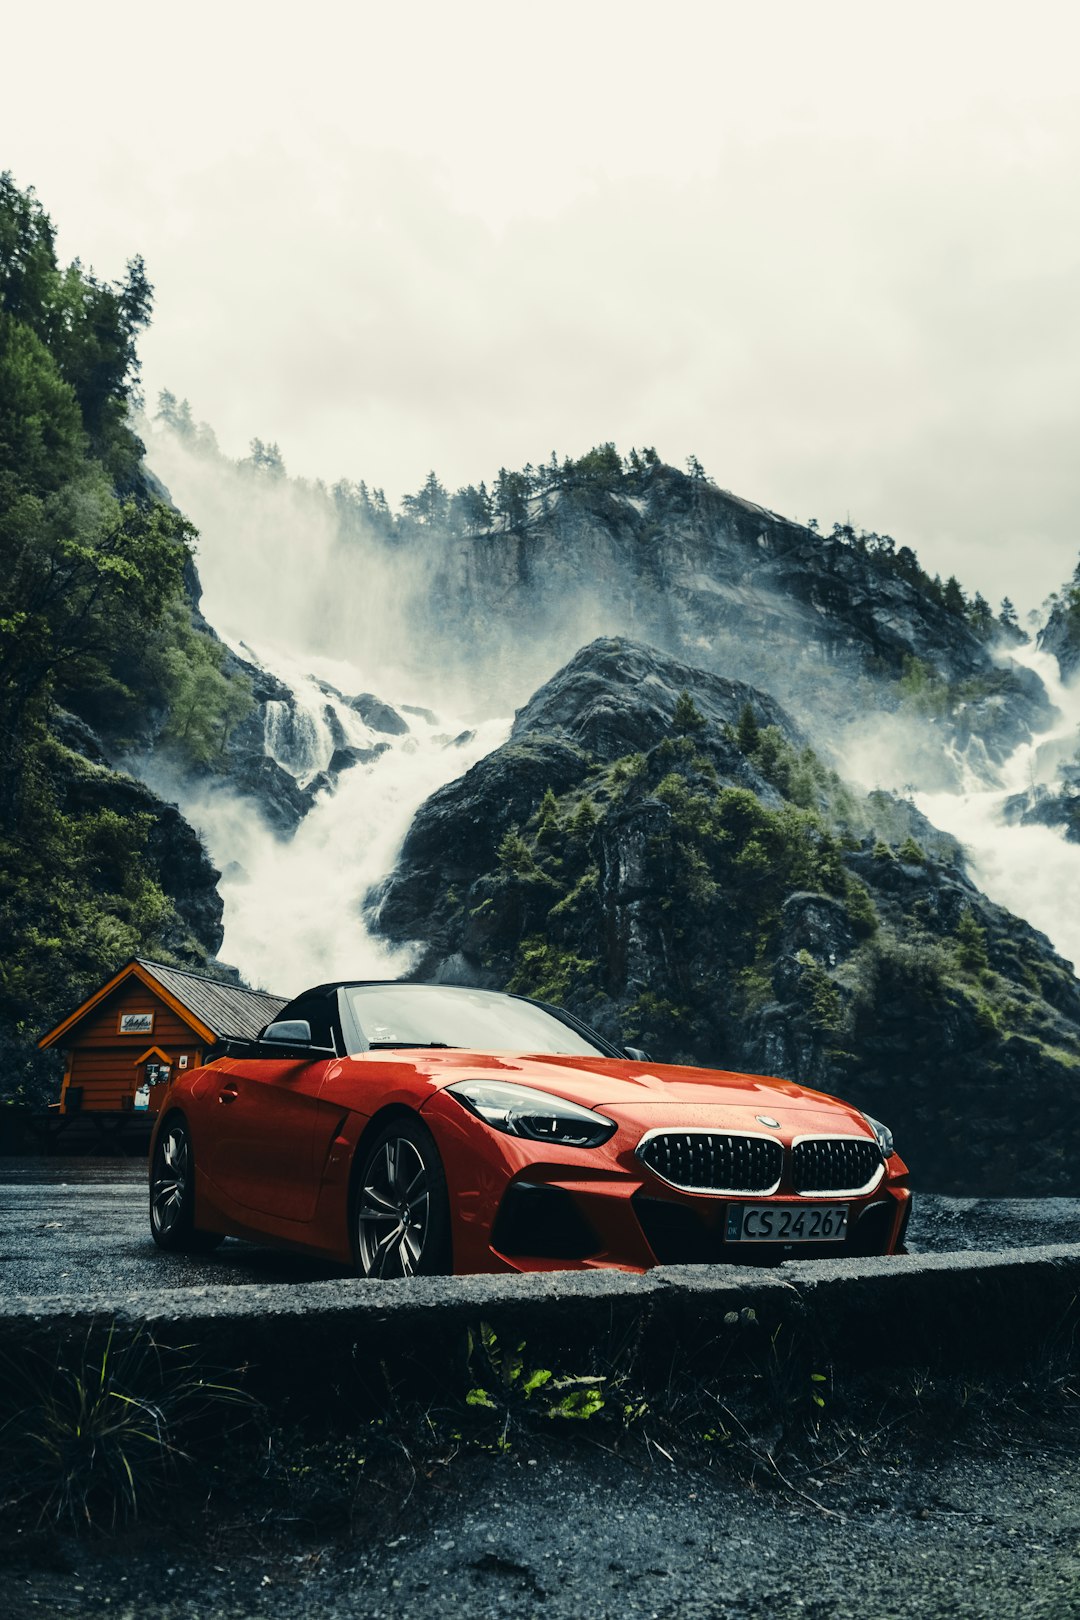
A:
[294, 909]
[328, 627]
[345, 614]
[1031, 870]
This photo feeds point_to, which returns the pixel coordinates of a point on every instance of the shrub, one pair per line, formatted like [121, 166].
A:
[548, 972]
[89, 1436]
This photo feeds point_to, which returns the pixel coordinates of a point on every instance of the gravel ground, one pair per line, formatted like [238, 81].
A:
[961, 1538]
[81, 1224]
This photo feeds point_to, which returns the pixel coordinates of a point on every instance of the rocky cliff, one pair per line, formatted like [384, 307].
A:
[657, 848]
[1061, 633]
[832, 624]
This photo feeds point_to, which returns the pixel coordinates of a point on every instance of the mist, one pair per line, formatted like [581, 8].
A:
[829, 250]
[332, 608]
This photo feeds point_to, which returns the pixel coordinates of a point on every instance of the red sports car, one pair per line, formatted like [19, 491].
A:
[406, 1128]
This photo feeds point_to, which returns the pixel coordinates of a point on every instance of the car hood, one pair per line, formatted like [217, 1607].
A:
[619, 1085]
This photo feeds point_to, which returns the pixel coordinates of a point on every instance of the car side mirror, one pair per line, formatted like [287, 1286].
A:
[636, 1054]
[292, 1038]
[289, 1032]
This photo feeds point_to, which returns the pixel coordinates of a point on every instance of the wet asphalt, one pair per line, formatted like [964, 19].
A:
[81, 1226]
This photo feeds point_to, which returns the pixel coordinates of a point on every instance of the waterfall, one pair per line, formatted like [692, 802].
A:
[1031, 870]
[333, 628]
[335, 615]
[294, 908]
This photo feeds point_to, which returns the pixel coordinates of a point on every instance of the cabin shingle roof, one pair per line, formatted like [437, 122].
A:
[227, 1009]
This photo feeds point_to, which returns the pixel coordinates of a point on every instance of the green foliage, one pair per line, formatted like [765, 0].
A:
[861, 910]
[94, 1436]
[818, 991]
[652, 1018]
[204, 704]
[583, 822]
[93, 617]
[578, 898]
[515, 855]
[548, 831]
[548, 971]
[922, 691]
[522, 1393]
[600, 467]
[971, 944]
[747, 732]
[912, 852]
[79, 893]
[687, 718]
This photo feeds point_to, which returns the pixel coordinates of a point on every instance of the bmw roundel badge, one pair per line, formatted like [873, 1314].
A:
[767, 1119]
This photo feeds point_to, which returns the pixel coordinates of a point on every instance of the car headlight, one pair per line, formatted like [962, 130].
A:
[884, 1136]
[520, 1111]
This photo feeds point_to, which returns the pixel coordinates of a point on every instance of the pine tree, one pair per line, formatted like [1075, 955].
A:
[687, 718]
[747, 733]
[953, 599]
[547, 820]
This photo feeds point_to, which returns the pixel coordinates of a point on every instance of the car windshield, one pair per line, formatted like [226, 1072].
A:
[445, 1015]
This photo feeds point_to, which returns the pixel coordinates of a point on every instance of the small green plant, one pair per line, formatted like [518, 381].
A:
[536, 1391]
[89, 1437]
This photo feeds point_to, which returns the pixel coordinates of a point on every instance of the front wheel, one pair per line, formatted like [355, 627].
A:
[400, 1208]
[172, 1195]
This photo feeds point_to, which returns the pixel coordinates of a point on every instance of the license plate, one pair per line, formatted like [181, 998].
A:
[786, 1223]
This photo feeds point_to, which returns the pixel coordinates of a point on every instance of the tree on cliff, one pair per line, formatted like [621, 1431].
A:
[92, 605]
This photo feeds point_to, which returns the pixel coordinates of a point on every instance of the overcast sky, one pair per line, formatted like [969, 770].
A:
[832, 249]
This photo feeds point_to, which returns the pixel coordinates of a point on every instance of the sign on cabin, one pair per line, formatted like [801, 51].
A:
[136, 1023]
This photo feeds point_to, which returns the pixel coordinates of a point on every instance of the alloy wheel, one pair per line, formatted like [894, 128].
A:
[169, 1193]
[393, 1211]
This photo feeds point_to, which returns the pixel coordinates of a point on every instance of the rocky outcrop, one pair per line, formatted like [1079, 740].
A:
[1061, 633]
[825, 625]
[692, 878]
[1044, 807]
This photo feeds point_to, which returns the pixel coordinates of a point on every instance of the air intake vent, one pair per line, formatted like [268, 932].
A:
[831, 1164]
[708, 1161]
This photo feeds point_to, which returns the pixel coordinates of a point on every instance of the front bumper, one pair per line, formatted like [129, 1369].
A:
[518, 1205]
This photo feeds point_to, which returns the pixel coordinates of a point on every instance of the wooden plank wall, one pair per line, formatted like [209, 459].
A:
[102, 1060]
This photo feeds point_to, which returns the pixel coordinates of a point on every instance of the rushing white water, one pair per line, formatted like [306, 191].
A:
[294, 908]
[1031, 870]
[316, 615]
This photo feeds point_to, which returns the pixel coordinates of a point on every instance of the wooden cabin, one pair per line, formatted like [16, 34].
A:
[124, 1042]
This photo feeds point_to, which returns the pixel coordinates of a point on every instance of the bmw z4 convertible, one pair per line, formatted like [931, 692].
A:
[403, 1128]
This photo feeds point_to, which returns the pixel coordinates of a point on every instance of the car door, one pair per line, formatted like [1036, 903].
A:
[265, 1110]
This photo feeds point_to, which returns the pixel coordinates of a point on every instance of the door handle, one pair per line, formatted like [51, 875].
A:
[228, 1094]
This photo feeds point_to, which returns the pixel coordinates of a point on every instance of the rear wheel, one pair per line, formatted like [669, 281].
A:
[400, 1208]
[172, 1194]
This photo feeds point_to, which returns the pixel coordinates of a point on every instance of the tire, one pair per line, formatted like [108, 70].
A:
[400, 1210]
[172, 1194]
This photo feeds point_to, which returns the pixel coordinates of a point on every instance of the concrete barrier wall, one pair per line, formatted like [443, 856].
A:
[931, 1310]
